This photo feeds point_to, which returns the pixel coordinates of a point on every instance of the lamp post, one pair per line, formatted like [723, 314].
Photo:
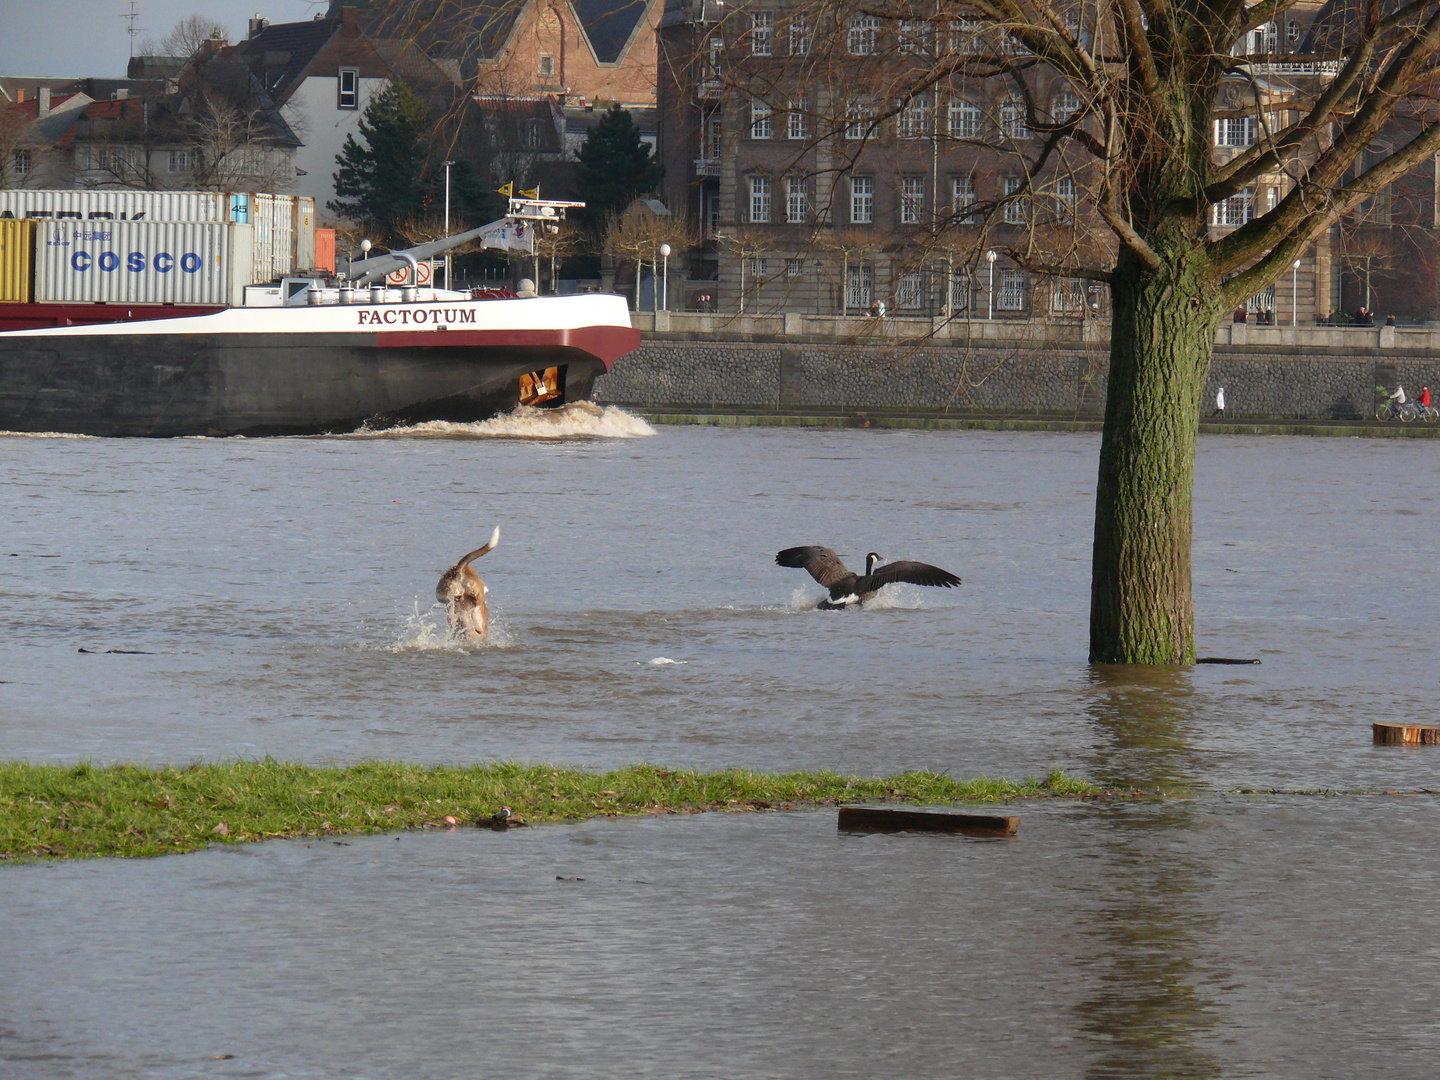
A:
[990, 301]
[665, 277]
[1294, 292]
[447, 222]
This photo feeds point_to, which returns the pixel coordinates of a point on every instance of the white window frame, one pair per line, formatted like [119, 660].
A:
[797, 123]
[962, 198]
[1067, 296]
[912, 200]
[759, 200]
[1017, 210]
[762, 33]
[915, 36]
[861, 35]
[862, 200]
[347, 99]
[795, 267]
[910, 290]
[964, 118]
[24, 161]
[1235, 131]
[759, 268]
[965, 36]
[1012, 119]
[1236, 210]
[799, 36]
[797, 201]
[1064, 105]
[1065, 197]
[860, 286]
[761, 126]
[913, 121]
[859, 113]
[1010, 291]
[179, 159]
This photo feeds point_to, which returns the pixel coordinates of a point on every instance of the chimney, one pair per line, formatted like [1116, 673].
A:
[257, 24]
[347, 18]
[20, 96]
[44, 99]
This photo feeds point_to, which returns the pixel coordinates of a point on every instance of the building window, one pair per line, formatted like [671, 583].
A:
[759, 268]
[1292, 34]
[759, 199]
[179, 160]
[547, 66]
[1017, 208]
[1012, 119]
[1063, 106]
[799, 37]
[797, 124]
[912, 200]
[1010, 293]
[960, 292]
[965, 36]
[24, 162]
[962, 199]
[964, 117]
[1067, 296]
[860, 40]
[759, 119]
[910, 290]
[713, 132]
[862, 200]
[794, 267]
[1236, 210]
[797, 203]
[860, 286]
[762, 33]
[1065, 198]
[914, 120]
[531, 136]
[1235, 131]
[914, 36]
[349, 87]
[858, 113]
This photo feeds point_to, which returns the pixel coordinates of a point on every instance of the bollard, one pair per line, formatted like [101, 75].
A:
[1406, 735]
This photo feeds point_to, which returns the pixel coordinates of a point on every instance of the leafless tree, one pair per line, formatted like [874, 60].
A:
[186, 38]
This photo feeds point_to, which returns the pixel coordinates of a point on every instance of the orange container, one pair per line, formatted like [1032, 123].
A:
[325, 250]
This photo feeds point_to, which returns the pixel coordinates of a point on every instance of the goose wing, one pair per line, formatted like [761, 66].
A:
[916, 573]
[820, 562]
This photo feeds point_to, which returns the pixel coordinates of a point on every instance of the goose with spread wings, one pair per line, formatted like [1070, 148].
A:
[847, 588]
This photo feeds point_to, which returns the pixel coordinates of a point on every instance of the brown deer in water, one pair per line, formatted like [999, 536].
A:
[463, 593]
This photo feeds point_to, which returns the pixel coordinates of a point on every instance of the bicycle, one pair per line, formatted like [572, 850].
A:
[1391, 411]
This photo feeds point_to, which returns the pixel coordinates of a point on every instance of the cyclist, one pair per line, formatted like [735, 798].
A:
[1398, 397]
[1425, 397]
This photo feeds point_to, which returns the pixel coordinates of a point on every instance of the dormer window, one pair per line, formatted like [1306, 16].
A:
[349, 89]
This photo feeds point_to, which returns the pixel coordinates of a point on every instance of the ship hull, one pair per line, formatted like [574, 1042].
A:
[166, 383]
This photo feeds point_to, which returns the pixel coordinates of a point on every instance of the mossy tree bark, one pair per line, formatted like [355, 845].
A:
[1141, 609]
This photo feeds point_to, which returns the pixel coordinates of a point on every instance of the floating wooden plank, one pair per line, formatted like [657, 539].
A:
[1225, 660]
[1406, 735]
[897, 819]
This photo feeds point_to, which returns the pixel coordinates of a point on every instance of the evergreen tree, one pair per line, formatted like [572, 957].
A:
[384, 180]
[615, 165]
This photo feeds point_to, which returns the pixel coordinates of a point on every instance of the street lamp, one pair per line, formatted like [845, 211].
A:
[1294, 292]
[990, 303]
[447, 221]
[665, 277]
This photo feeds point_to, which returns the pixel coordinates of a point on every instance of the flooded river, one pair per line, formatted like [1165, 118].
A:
[276, 597]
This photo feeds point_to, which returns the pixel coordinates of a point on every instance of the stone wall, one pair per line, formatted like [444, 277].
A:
[998, 378]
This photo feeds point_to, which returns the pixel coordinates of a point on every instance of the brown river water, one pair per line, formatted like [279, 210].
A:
[276, 597]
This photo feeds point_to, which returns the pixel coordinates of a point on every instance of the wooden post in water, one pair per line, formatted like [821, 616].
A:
[1406, 735]
[894, 819]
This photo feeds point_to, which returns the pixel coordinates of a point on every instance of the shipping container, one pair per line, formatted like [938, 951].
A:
[143, 262]
[17, 261]
[325, 250]
[305, 235]
[117, 205]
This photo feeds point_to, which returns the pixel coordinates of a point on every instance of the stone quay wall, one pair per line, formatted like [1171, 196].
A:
[992, 377]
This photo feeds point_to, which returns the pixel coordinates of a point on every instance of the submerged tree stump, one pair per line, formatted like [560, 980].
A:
[894, 819]
[1406, 735]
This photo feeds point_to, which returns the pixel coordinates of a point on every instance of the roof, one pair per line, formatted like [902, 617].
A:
[609, 24]
[281, 52]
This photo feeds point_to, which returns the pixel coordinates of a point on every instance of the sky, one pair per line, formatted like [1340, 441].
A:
[73, 38]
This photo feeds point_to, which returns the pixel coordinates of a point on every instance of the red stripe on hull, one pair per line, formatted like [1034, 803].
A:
[47, 316]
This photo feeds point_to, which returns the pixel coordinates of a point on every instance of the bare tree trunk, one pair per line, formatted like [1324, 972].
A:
[1163, 333]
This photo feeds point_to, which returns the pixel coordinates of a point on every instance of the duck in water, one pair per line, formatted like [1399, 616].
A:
[847, 588]
[463, 593]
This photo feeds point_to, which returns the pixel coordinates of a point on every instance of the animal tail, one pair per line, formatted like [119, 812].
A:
[490, 544]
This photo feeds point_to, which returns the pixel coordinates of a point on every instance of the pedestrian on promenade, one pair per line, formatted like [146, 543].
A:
[1220, 403]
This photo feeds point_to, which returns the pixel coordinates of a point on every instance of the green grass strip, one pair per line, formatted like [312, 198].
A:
[131, 811]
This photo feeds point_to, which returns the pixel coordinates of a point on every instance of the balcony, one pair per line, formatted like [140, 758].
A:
[707, 166]
[708, 90]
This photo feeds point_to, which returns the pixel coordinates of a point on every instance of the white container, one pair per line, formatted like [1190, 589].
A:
[143, 262]
[304, 235]
[118, 205]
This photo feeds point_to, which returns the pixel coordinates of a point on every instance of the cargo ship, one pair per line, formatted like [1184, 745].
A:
[139, 328]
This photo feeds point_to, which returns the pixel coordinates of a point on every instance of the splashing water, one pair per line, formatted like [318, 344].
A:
[50, 435]
[427, 630]
[578, 420]
[662, 661]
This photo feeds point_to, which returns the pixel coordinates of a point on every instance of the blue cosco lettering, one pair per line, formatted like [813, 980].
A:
[80, 260]
[135, 262]
[109, 261]
[164, 262]
[190, 262]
